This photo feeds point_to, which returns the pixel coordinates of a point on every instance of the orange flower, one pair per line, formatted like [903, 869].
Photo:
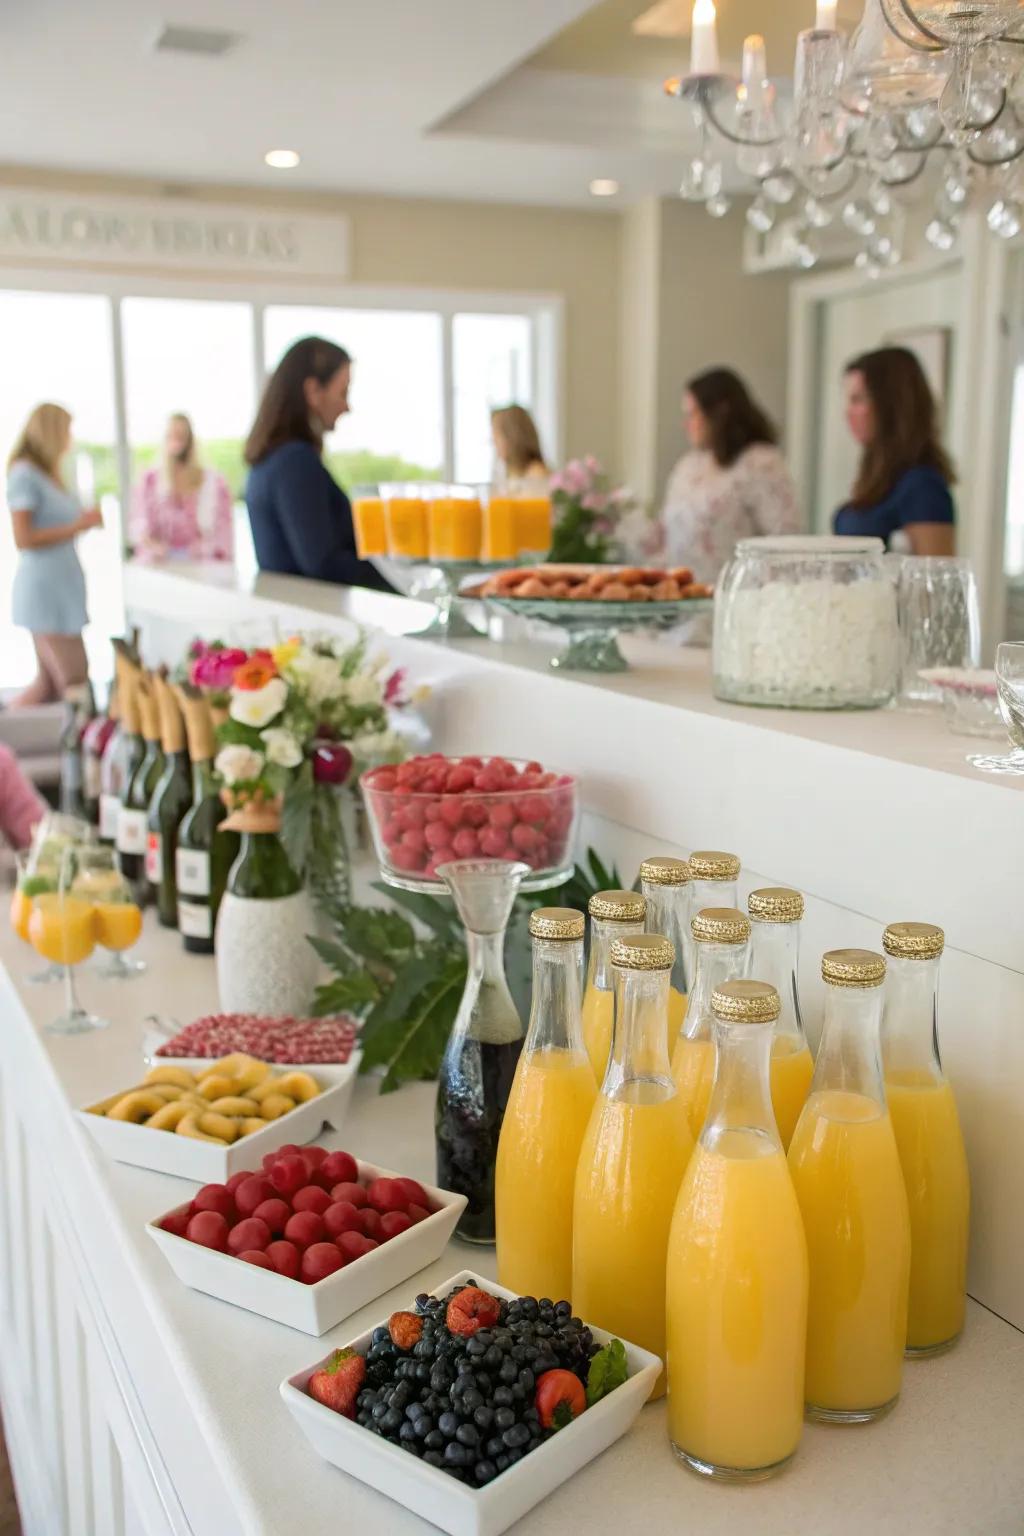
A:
[255, 673]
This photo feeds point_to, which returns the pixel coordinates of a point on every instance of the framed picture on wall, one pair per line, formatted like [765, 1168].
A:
[931, 346]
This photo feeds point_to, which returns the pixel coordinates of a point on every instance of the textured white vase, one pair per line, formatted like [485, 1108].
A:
[264, 963]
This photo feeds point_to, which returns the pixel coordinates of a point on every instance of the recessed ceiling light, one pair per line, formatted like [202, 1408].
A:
[603, 186]
[282, 159]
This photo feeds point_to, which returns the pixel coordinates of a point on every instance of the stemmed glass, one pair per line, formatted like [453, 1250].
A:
[62, 927]
[118, 921]
[1010, 687]
[39, 873]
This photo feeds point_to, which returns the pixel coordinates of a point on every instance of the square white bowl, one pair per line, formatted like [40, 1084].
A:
[315, 1308]
[440, 1498]
[187, 1158]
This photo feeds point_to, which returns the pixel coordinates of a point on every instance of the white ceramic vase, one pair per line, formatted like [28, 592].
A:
[264, 963]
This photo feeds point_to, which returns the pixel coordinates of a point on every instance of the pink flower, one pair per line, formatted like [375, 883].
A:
[592, 464]
[332, 762]
[198, 648]
[216, 668]
[594, 501]
[574, 479]
[394, 688]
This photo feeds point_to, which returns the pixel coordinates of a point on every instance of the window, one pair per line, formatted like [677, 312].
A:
[492, 357]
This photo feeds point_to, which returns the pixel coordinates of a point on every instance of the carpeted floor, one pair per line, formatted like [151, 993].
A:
[10, 1525]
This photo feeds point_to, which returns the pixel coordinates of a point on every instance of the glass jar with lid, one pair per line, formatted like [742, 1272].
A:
[806, 623]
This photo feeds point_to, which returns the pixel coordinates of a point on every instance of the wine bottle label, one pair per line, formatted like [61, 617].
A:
[131, 831]
[154, 858]
[192, 871]
[110, 812]
[91, 775]
[194, 921]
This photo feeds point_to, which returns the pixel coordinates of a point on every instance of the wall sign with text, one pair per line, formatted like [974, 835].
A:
[172, 232]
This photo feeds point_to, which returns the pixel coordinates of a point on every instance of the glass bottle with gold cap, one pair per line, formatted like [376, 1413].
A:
[665, 884]
[846, 1170]
[713, 877]
[928, 1136]
[775, 914]
[547, 1113]
[613, 914]
[720, 937]
[736, 1318]
[632, 1159]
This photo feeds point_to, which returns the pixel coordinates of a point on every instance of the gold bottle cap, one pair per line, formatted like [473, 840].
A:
[661, 871]
[852, 968]
[709, 865]
[720, 925]
[913, 941]
[746, 1002]
[557, 923]
[776, 904]
[643, 952]
[618, 906]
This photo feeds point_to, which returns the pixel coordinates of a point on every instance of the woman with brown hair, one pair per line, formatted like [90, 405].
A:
[517, 445]
[732, 485]
[49, 585]
[301, 519]
[902, 490]
[182, 511]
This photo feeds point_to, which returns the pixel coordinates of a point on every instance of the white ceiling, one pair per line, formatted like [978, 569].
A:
[429, 98]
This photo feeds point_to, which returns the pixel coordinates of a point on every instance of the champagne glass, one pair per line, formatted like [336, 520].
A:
[1010, 687]
[62, 927]
[98, 879]
[39, 872]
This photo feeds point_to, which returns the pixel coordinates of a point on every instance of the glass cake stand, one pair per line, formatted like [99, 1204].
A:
[594, 627]
[440, 584]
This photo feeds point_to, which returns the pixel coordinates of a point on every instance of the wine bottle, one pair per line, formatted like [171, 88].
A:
[132, 825]
[204, 855]
[171, 799]
[78, 709]
[131, 831]
[94, 743]
[111, 773]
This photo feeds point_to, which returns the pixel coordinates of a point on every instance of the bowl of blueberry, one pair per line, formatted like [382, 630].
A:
[474, 1405]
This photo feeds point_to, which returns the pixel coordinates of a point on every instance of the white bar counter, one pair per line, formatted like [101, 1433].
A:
[136, 1407]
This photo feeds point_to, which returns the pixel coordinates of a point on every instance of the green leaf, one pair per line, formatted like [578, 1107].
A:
[439, 916]
[376, 934]
[411, 1043]
[600, 874]
[608, 1370]
[346, 994]
[297, 818]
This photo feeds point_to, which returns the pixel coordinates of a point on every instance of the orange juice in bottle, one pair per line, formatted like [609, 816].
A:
[846, 1170]
[632, 1159]
[928, 1136]
[665, 883]
[613, 914]
[547, 1113]
[713, 878]
[720, 936]
[737, 1266]
[775, 915]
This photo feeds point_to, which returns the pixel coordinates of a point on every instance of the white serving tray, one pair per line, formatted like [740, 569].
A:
[436, 1496]
[183, 1156]
[315, 1308]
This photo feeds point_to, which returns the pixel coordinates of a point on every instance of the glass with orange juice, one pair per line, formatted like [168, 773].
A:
[38, 872]
[118, 921]
[62, 928]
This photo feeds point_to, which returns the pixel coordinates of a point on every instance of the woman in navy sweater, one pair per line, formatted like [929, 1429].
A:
[902, 490]
[301, 520]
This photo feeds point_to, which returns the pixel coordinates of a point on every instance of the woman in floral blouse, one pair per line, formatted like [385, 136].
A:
[182, 511]
[732, 485]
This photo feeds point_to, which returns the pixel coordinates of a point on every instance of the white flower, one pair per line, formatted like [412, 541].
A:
[374, 746]
[363, 690]
[238, 764]
[282, 748]
[258, 706]
[317, 677]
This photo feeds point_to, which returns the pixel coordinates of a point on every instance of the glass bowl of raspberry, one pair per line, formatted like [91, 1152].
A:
[431, 810]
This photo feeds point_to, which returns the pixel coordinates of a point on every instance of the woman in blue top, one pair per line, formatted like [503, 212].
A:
[902, 490]
[49, 585]
[301, 520]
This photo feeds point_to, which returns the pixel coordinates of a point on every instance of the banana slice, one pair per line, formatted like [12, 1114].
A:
[188, 1125]
[250, 1126]
[177, 1077]
[170, 1117]
[224, 1127]
[216, 1085]
[251, 1076]
[234, 1106]
[299, 1086]
[275, 1105]
[137, 1106]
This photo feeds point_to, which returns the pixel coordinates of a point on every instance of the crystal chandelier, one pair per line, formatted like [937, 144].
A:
[920, 83]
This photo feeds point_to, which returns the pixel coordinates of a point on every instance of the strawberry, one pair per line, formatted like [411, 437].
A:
[560, 1398]
[470, 1310]
[406, 1329]
[337, 1383]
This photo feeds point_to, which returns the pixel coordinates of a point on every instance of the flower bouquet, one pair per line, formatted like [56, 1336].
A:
[596, 522]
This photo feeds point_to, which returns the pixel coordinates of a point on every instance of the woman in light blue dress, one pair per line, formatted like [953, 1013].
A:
[49, 585]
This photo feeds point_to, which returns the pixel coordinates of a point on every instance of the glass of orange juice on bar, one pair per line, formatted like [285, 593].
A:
[532, 519]
[500, 531]
[118, 921]
[369, 522]
[405, 518]
[62, 928]
[39, 872]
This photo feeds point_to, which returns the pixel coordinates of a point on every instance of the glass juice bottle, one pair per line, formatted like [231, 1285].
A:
[720, 936]
[547, 1113]
[931, 1147]
[846, 1170]
[665, 884]
[736, 1319]
[713, 877]
[775, 915]
[632, 1159]
[171, 799]
[613, 915]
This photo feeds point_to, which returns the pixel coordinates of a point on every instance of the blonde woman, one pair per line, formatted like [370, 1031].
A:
[517, 447]
[182, 511]
[49, 585]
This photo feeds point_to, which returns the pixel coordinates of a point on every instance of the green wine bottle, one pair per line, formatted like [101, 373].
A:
[171, 799]
[130, 839]
[204, 856]
[132, 827]
[262, 871]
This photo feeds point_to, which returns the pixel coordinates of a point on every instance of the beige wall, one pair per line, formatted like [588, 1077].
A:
[491, 247]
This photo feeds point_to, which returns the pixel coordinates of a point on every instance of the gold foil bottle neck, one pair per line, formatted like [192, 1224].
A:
[557, 923]
[665, 871]
[852, 968]
[720, 925]
[148, 711]
[618, 906]
[709, 864]
[746, 1002]
[172, 722]
[643, 952]
[914, 941]
[776, 904]
[202, 744]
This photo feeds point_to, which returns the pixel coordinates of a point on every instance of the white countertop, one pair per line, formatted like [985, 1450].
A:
[948, 1460]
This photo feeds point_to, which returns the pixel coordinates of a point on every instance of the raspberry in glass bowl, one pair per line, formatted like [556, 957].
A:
[430, 810]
